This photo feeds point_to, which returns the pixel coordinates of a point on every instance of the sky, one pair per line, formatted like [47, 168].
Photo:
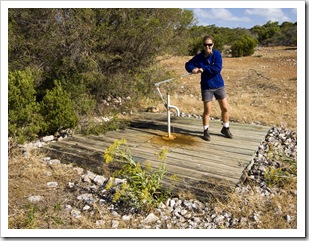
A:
[243, 17]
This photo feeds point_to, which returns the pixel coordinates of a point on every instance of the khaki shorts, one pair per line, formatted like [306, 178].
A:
[207, 95]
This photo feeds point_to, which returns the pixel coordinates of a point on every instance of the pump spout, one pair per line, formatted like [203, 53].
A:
[176, 108]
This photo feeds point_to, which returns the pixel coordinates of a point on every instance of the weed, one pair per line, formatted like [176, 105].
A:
[30, 219]
[56, 220]
[143, 186]
[285, 172]
[57, 207]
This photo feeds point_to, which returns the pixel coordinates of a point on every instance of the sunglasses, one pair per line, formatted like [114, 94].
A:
[209, 45]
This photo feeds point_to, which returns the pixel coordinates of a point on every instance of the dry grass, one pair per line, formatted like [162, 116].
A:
[271, 212]
[29, 177]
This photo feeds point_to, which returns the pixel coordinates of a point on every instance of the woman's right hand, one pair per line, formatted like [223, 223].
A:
[197, 70]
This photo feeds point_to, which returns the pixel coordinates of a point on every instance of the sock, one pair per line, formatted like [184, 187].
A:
[226, 124]
[206, 127]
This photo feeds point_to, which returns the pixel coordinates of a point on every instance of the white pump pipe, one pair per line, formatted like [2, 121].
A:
[169, 115]
[167, 104]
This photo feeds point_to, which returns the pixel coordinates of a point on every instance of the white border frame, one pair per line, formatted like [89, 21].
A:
[299, 232]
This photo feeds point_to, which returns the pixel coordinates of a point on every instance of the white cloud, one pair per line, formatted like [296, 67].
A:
[272, 14]
[222, 14]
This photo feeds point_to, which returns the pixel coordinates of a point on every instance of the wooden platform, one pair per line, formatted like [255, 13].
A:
[203, 168]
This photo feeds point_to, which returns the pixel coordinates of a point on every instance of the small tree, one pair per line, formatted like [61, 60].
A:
[23, 110]
[58, 110]
[244, 46]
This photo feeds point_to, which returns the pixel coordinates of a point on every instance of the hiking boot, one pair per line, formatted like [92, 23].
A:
[226, 132]
[206, 135]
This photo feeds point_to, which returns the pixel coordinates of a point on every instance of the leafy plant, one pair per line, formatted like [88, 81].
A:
[24, 118]
[58, 110]
[143, 186]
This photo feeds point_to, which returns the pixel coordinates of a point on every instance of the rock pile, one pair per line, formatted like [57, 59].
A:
[278, 142]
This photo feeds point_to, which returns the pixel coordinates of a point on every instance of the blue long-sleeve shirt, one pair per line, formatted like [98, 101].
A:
[211, 78]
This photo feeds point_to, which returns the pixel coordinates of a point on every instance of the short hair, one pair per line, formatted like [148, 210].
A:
[209, 37]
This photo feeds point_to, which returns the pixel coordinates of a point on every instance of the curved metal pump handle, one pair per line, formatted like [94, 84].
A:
[166, 81]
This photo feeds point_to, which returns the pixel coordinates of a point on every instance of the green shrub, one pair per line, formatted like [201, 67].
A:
[244, 46]
[24, 121]
[142, 187]
[58, 110]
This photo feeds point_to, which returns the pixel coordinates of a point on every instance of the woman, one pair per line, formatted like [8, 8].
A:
[209, 64]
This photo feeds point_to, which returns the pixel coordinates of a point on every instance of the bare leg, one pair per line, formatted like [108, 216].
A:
[225, 118]
[224, 110]
[206, 114]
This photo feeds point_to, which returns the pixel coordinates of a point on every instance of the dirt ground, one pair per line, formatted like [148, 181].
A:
[261, 88]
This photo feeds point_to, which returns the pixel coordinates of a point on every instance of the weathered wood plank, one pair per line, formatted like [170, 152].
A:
[185, 164]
